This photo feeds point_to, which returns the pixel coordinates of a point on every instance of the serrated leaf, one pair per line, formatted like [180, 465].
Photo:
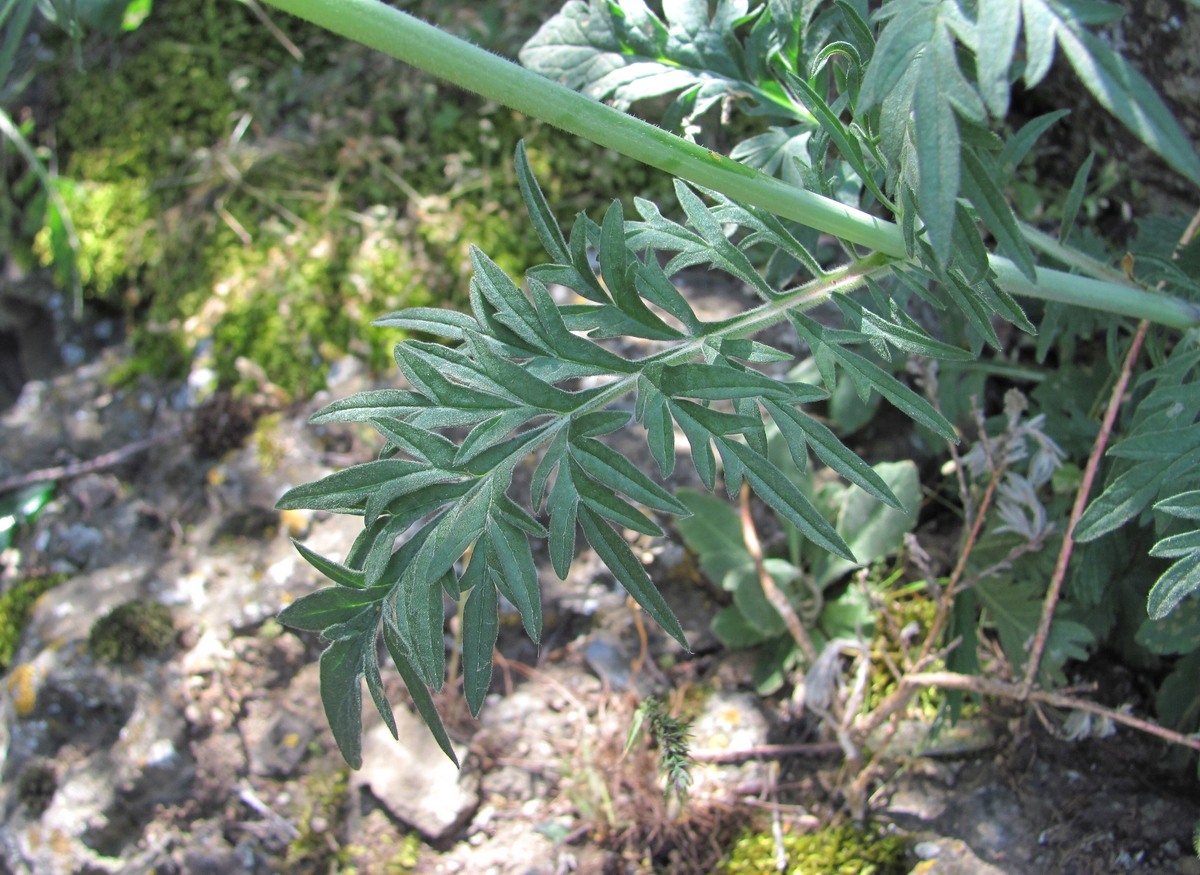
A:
[506, 455]
[1075, 198]
[842, 138]
[1166, 444]
[970, 303]
[329, 606]
[1041, 29]
[513, 309]
[801, 430]
[541, 474]
[598, 422]
[752, 351]
[1018, 145]
[779, 152]
[401, 487]
[617, 472]
[615, 553]
[899, 395]
[429, 320]
[440, 363]
[1124, 92]
[539, 210]
[898, 46]
[938, 160]
[480, 629]
[698, 438]
[518, 381]
[511, 512]
[492, 432]
[1178, 632]
[770, 484]
[425, 622]
[422, 443]
[905, 334]
[346, 491]
[455, 404]
[979, 186]
[563, 505]
[660, 429]
[721, 383]
[569, 347]
[515, 574]
[1177, 582]
[656, 287]
[721, 251]
[382, 564]
[335, 571]
[419, 693]
[613, 256]
[999, 23]
[375, 687]
[1123, 498]
[1185, 505]
[606, 503]
[622, 53]
[341, 671]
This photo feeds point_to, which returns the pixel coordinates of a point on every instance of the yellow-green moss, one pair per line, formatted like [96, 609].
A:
[250, 206]
[132, 630]
[905, 610]
[15, 605]
[842, 850]
[323, 800]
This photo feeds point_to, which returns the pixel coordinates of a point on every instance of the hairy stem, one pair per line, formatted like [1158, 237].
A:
[408, 39]
[1115, 401]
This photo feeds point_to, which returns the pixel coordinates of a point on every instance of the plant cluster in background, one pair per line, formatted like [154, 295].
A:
[900, 113]
[265, 192]
[854, 167]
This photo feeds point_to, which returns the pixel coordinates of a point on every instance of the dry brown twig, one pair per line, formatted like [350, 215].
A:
[779, 601]
[1116, 399]
[89, 466]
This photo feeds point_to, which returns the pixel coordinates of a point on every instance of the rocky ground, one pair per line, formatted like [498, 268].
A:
[199, 745]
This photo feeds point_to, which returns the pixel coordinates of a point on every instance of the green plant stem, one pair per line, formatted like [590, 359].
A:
[408, 39]
[1073, 258]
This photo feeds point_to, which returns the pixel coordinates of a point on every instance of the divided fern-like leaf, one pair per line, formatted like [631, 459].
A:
[439, 519]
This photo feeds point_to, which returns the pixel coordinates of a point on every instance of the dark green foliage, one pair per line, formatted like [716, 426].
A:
[896, 111]
[133, 630]
[507, 384]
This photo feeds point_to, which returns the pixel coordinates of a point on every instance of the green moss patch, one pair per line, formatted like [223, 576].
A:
[131, 631]
[246, 207]
[842, 850]
[15, 606]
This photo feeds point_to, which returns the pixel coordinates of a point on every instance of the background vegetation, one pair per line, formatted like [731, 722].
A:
[250, 198]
